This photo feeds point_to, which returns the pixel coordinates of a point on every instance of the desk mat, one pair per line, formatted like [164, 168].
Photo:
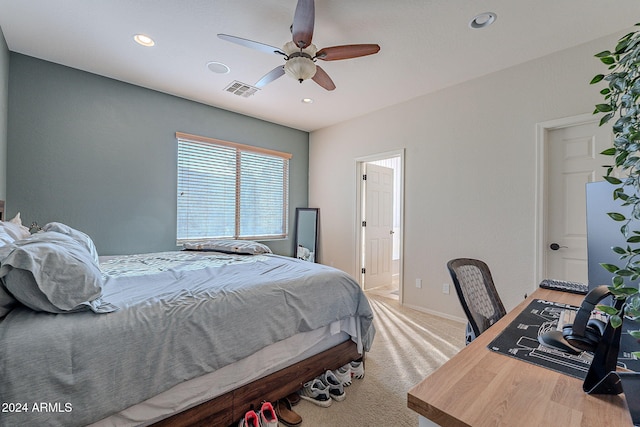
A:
[520, 340]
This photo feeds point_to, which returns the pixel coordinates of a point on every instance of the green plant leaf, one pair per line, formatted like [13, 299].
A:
[616, 216]
[607, 309]
[622, 45]
[635, 334]
[604, 108]
[615, 320]
[609, 267]
[609, 151]
[624, 230]
[602, 54]
[625, 291]
[620, 194]
[612, 180]
[606, 118]
[619, 250]
[597, 79]
[608, 60]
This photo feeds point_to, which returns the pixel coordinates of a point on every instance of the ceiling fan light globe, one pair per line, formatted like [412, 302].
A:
[300, 68]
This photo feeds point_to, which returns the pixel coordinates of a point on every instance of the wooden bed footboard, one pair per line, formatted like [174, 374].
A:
[227, 409]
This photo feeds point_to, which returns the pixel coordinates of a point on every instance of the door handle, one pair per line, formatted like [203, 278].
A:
[555, 246]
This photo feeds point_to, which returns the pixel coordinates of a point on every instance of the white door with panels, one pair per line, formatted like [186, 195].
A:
[573, 159]
[378, 226]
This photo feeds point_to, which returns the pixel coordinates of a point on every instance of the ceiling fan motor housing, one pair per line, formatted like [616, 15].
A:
[299, 64]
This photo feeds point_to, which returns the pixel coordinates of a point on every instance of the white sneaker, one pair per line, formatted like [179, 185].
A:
[316, 392]
[336, 390]
[343, 374]
[357, 370]
[250, 419]
[267, 415]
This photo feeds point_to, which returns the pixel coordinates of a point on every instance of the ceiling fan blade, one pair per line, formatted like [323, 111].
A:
[335, 53]
[251, 44]
[303, 21]
[270, 76]
[323, 79]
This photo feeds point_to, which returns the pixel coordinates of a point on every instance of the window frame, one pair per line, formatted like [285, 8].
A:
[240, 148]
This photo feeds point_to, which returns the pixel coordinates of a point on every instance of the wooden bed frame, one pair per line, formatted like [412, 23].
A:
[229, 408]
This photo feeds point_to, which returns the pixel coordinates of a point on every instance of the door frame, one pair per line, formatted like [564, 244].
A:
[359, 162]
[542, 184]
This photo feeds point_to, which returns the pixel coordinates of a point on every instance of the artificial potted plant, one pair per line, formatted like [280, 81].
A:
[622, 105]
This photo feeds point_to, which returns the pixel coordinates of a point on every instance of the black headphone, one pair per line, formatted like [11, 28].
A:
[585, 333]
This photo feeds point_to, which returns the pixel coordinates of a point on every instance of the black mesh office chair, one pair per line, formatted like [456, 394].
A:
[477, 293]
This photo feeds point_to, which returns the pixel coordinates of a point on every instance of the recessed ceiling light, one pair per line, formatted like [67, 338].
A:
[307, 101]
[483, 20]
[218, 67]
[144, 40]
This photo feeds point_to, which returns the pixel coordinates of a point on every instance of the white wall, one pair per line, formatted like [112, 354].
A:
[469, 177]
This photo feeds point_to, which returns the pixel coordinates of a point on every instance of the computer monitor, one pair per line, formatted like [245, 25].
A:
[603, 233]
[631, 388]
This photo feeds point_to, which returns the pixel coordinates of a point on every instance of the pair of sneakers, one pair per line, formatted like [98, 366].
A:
[265, 417]
[351, 370]
[323, 390]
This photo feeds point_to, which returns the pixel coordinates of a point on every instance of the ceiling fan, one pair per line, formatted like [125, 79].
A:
[300, 54]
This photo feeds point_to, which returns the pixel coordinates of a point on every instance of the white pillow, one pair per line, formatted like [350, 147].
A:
[77, 235]
[13, 230]
[53, 272]
[245, 247]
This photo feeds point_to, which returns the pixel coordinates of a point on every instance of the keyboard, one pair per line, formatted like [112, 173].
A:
[565, 286]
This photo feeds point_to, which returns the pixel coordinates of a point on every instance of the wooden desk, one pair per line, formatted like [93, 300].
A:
[479, 387]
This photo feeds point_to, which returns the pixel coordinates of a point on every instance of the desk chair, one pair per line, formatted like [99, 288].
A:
[477, 293]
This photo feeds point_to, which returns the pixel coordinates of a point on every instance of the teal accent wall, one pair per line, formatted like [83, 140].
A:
[4, 108]
[100, 155]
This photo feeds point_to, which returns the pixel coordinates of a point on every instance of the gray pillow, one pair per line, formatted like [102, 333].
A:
[53, 272]
[244, 247]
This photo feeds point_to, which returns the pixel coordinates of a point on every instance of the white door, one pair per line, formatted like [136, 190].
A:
[573, 159]
[378, 226]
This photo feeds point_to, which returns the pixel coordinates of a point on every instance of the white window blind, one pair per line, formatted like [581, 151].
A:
[229, 190]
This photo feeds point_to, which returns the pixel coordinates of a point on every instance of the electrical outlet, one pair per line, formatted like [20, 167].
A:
[419, 283]
[445, 288]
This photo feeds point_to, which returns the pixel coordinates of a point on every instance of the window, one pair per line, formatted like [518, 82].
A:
[229, 190]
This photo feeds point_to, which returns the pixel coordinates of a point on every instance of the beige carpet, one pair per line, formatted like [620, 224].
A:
[408, 346]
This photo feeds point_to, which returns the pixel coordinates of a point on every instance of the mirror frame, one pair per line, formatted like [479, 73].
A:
[297, 232]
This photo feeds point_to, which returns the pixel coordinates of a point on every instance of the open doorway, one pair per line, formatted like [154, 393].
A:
[379, 223]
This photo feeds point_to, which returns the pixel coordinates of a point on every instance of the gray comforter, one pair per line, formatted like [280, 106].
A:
[182, 314]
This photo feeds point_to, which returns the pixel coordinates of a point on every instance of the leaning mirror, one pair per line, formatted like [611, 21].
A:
[306, 238]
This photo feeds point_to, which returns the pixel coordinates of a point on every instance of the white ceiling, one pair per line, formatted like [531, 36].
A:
[426, 45]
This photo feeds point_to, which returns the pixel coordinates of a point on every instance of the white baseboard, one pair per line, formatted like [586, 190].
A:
[436, 313]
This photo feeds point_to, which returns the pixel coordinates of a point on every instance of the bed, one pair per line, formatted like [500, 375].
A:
[171, 338]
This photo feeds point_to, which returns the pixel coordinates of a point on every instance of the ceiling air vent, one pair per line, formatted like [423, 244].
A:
[241, 89]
